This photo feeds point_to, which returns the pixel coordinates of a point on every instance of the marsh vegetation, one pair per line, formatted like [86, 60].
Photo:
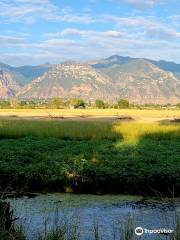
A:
[90, 157]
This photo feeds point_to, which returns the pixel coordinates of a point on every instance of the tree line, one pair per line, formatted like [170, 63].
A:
[73, 103]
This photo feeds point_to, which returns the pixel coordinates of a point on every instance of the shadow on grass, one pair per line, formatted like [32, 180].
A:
[150, 167]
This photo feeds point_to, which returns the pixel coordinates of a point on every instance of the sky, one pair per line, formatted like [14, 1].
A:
[39, 31]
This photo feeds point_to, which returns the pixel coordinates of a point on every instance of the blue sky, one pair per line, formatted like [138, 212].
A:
[39, 31]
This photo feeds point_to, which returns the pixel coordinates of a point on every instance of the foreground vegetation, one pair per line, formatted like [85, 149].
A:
[8, 230]
[90, 157]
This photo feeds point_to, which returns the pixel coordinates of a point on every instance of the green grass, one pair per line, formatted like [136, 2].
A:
[84, 130]
[90, 157]
[57, 129]
[14, 233]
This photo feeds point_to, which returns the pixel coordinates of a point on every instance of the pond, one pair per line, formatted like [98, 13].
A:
[107, 212]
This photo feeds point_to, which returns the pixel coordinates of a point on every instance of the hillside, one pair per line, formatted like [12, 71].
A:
[143, 82]
[8, 87]
[110, 61]
[29, 73]
[70, 80]
[25, 74]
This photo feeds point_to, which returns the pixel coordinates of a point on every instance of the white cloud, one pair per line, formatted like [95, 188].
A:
[143, 3]
[29, 11]
[58, 49]
[131, 21]
[25, 11]
[151, 40]
[135, 35]
[175, 17]
[93, 45]
[7, 41]
[162, 32]
[141, 26]
[90, 33]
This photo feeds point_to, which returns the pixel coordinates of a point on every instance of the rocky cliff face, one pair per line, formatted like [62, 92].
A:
[8, 87]
[70, 80]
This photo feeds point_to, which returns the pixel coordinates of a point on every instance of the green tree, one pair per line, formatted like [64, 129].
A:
[4, 104]
[23, 103]
[123, 103]
[56, 103]
[100, 104]
[77, 103]
[178, 105]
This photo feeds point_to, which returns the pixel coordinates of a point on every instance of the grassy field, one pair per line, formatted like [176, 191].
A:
[96, 130]
[85, 113]
[90, 157]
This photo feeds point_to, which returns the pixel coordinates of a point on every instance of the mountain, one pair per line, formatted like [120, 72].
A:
[5, 67]
[70, 80]
[167, 66]
[25, 74]
[137, 79]
[141, 81]
[110, 61]
[29, 73]
[8, 87]
[116, 59]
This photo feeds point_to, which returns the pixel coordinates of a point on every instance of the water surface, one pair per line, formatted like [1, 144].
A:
[110, 211]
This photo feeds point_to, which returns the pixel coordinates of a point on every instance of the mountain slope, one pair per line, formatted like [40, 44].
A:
[167, 66]
[8, 87]
[25, 74]
[29, 73]
[142, 82]
[5, 67]
[113, 60]
[70, 80]
[116, 59]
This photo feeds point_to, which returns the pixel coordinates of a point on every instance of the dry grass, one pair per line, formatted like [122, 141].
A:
[145, 115]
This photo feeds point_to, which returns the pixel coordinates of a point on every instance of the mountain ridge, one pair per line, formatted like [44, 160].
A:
[139, 80]
[116, 59]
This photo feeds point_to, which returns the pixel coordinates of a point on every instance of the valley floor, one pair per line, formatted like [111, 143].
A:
[92, 114]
